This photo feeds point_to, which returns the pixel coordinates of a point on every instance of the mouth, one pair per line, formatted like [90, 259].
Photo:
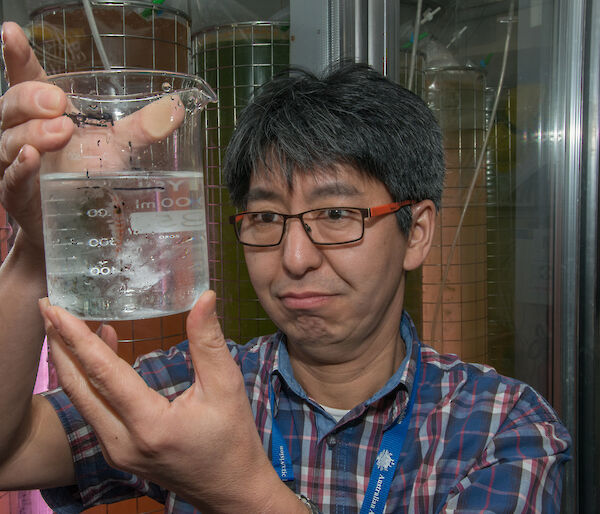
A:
[305, 300]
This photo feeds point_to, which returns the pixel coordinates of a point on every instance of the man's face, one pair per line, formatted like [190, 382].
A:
[328, 299]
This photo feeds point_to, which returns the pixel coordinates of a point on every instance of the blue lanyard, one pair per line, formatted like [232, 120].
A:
[280, 456]
[385, 462]
[389, 453]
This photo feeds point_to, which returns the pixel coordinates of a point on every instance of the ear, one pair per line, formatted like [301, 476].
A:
[420, 237]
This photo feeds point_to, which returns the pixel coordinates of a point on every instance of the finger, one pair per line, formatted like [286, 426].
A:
[18, 180]
[214, 367]
[31, 100]
[20, 61]
[108, 426]
[20, 192]
[152, 123]
[111, 432]
[115, 381]
[109, 336]
[73, 379]
[46, 135]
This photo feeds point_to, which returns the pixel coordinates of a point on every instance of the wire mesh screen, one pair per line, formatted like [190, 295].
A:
[235, 60]
[454, 317]
[414, 294]
[501, 199]
[134, 35]
[402, 70]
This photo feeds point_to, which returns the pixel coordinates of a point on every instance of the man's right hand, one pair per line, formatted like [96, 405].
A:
[31, 124]
[34, 450]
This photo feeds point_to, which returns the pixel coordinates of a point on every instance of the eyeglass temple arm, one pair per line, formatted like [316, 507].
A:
[388, 208]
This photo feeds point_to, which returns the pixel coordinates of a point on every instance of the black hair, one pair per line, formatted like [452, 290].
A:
[301, 123]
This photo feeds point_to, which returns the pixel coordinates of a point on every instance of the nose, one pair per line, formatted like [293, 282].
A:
[300, 254]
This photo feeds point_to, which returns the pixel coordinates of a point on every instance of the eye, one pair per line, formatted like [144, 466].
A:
[268, 217]
[265, 217]
[335, 214]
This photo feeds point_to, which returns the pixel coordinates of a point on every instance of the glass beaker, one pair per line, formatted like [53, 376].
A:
[123, 201]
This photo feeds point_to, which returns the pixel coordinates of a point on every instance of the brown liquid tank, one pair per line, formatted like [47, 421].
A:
[135, 34]
[452, 283]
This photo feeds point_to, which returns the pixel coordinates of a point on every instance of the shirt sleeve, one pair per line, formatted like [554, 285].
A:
[169, 373]
[521, 469]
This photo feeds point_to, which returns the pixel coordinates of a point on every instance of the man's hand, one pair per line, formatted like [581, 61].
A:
[204, 445]
[32, 123]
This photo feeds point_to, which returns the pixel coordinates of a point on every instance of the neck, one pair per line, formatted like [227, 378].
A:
[345, 384]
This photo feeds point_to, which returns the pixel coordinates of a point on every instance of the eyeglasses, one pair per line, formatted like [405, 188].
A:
[325, 226]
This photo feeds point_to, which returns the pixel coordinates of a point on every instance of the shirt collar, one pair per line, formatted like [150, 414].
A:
[403, 376]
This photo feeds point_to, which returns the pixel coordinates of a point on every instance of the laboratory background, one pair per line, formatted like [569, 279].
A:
[515, 84]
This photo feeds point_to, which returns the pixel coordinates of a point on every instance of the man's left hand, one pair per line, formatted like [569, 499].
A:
[204, 445]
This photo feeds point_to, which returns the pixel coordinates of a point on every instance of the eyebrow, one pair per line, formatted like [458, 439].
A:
[261, 193]
[321, 191]
[333, 189]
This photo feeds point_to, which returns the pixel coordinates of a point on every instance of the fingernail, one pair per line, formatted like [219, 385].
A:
[21, 155]
[2, 50]
[44, 305]
[48, 100]
[52, 317]
[99, 330]
[54, 125]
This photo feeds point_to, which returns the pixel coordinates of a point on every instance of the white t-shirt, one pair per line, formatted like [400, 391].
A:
[337, 414]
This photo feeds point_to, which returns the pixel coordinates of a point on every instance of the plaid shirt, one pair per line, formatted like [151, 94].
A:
[477, 441]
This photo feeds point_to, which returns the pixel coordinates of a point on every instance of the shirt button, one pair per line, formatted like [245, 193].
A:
[331, 441]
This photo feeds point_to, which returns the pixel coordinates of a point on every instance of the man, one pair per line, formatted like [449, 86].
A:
[343, 410]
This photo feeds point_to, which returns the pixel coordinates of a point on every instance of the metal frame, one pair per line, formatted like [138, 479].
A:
[568, 177]
[589, 351]
[325, 31]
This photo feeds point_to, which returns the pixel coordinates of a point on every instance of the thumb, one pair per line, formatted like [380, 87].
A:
[153, 122]
[213, 363]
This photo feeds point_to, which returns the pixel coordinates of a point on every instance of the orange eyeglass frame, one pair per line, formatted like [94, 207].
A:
[371, 212]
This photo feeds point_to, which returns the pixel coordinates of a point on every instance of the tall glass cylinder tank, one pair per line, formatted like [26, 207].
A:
[235, 60]
[453, 289]
[500, 167]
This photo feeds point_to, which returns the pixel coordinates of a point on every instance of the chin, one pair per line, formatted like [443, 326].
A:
[308, 330]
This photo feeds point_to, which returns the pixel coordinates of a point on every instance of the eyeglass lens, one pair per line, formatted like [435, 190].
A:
[323, 226]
